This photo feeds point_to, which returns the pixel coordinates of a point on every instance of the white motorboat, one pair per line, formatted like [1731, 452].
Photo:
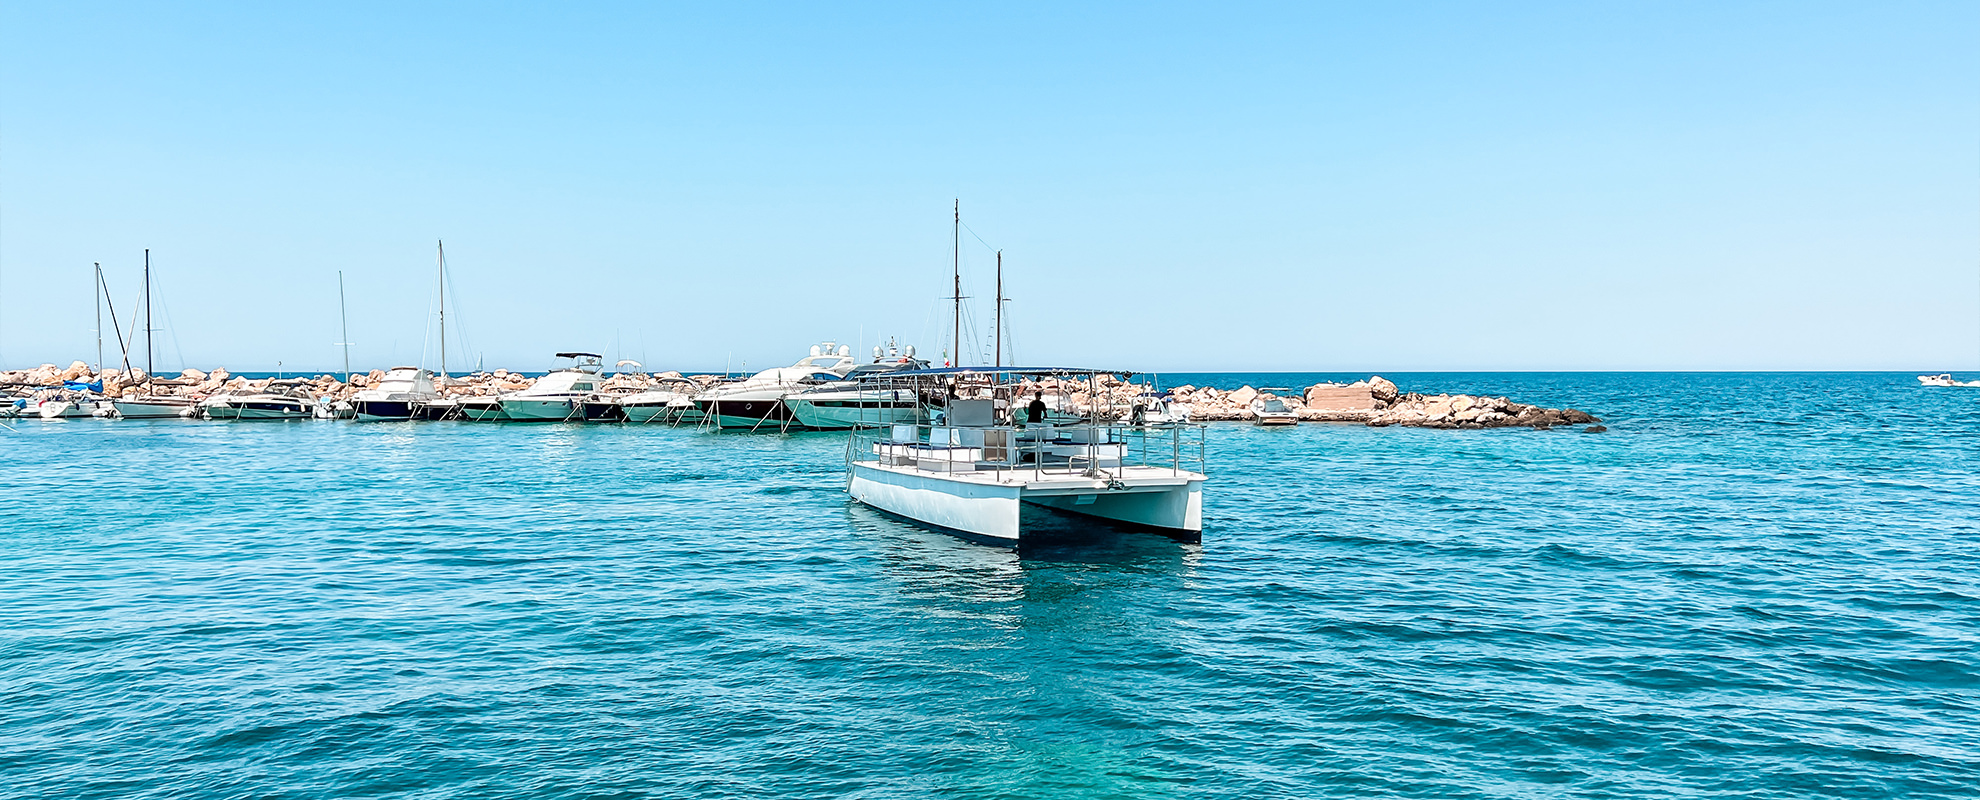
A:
[283, 400]
[757, 403]
[1270, 411]
[558, 396]
[976, 477]
[665, 403]
[1155, 412]
[480, 408]
[858, 400]
[1945, 379]
[68, 405]
[398, 395]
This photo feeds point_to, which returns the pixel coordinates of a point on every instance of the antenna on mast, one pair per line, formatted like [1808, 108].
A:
[955, 346]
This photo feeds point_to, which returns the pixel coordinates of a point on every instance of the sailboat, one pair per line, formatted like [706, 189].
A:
[429, 401]
[150, 404]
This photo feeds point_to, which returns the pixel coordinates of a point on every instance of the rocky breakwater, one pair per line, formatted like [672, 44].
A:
[1377, 402]
[195, 383]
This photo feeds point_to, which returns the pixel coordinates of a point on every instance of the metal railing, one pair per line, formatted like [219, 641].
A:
[1038, 451]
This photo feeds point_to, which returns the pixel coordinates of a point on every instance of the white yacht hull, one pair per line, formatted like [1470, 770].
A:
[989, 504]
[653, 412]
[482, 410]
[64, 409]
[545, 410]
[850, 410]
[152, 409]
[259, 410]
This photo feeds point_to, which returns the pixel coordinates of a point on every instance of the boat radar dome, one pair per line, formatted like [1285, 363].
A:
[910, 351]
[845, 350]
[814, 349]
[877, 352]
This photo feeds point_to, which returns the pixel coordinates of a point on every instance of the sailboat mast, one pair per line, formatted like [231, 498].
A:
[344, 315]
[99, 318]
[147, 316]
[955, 358]
[1000, 308]
[443, 306]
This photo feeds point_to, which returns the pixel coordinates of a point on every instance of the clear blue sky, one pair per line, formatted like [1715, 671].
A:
[1311, 186]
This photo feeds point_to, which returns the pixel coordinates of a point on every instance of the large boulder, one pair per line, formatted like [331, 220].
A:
[1242, 397]
[192, 375]
[77, 371]
[1381, 389]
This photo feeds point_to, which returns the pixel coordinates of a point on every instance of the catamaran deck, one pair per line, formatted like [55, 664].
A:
[978, 481]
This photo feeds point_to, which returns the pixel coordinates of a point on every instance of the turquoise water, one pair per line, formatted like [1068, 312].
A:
[1761, 586]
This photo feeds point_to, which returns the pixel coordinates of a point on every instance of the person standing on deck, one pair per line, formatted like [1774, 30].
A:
[1036, 411]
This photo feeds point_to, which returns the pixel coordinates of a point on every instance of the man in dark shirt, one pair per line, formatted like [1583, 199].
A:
[1036, 411]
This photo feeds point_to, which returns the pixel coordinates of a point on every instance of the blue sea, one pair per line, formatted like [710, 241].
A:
[1752, 585]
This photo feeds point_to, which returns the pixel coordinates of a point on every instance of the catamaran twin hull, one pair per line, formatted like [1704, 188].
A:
[989, 504]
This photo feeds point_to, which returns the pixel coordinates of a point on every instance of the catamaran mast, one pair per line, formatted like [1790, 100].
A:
[1000, 308]
[955, 357]
[443, 307]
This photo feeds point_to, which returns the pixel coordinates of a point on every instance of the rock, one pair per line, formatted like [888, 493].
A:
[1381, 389]
[1437, 408]
[192, 375]
[1595, 429]
[1243, 396]
[77, 371]
[1577, 417]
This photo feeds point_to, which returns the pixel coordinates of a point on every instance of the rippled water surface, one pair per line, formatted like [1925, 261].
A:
[1752, 585]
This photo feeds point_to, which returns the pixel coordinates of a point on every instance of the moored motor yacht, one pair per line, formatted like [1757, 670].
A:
[398, 395]
[282, 400]
[664, 403]
[757, 403]
[68, 405]
[558, 396]
[480, 408]
[859, 399]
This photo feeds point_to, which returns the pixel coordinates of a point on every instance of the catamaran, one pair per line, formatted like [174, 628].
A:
[982, 466]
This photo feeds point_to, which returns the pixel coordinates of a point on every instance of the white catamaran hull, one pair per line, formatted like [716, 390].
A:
[984, 505]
